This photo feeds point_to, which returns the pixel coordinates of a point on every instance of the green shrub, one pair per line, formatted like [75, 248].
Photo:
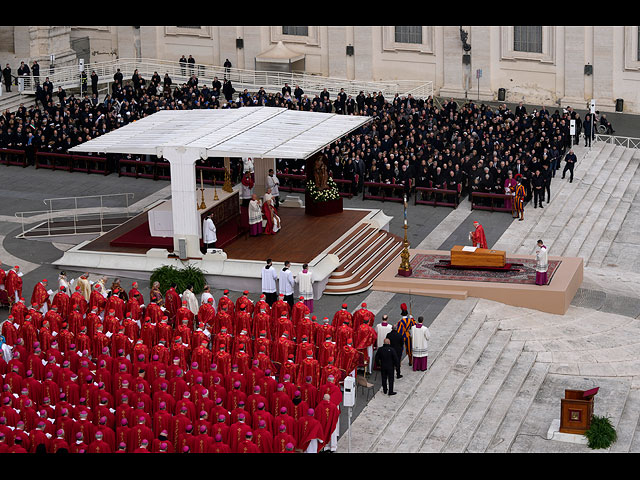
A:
[190, 275]
[601, 434]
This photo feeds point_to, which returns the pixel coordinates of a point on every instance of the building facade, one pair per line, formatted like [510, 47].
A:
[551, 65]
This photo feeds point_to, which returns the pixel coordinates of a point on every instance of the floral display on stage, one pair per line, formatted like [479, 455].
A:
[330, 193]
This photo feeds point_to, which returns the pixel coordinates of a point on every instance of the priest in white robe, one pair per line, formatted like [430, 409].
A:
[269, 279]
[542, 264]
[209, 236]
[305, 286]
[382, 329]
[419, 345]
[190, 298]
[255, 216]
[206, 295]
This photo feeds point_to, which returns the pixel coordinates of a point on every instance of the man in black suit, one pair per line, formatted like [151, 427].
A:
[387, 358]
[397, 343]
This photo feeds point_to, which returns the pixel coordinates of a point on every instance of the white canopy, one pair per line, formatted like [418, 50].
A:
[258, 132]
[279, 53]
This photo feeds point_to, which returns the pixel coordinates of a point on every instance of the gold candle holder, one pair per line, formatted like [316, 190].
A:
[202, 205]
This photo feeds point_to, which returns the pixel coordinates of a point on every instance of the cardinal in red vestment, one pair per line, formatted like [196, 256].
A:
[341, 315]
[477, 237]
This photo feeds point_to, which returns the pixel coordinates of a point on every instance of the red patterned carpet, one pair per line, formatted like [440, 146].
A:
[424, 266]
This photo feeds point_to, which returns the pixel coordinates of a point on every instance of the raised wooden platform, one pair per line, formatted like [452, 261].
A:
[553, 298]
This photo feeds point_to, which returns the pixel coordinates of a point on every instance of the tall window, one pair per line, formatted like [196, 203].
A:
[299, 31]
[527, 39]
[409, 35]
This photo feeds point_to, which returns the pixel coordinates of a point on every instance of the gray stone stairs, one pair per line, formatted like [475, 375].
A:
[583, 217]
[486, 390]
[614, 224]
[12, 100]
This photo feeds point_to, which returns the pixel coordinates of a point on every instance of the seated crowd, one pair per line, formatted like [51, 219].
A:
[100, 370]
[410, 142]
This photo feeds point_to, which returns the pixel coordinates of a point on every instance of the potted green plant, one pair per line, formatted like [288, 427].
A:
[601, 433]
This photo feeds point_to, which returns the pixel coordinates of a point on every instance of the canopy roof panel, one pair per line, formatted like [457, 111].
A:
[279, 53]
[261, 132]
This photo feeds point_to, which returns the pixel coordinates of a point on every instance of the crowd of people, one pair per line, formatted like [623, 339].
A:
[412, 142]
[97, 368]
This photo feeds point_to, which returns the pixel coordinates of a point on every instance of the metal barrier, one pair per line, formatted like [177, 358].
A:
[433, 194]
[384, 186]
[628, 142]
[85, 214]
[493, 197]
[69, 77]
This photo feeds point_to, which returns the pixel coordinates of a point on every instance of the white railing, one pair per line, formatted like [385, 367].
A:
[628, 142]
[84, 214]
[69, 77]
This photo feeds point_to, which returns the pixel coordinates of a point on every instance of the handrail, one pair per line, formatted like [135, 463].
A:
[69, 77]
[628, 142]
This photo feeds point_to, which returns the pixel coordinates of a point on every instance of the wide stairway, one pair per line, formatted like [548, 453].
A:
[363, 256]
[583, 217]
[491, 386]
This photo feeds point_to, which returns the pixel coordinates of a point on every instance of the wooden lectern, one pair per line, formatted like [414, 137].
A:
[576, 410]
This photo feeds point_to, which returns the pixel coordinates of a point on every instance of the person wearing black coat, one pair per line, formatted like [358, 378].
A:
[6, 74]
[228, 90]
[537, 182]
[388, 360]
[397, 343]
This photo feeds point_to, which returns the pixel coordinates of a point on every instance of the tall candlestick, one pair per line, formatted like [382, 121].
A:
[201, 182]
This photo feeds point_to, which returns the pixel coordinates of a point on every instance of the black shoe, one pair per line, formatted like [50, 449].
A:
[541, 206]
[535, 206]
[392, 393]
[384, 391]
[570, 181]
[400, 376]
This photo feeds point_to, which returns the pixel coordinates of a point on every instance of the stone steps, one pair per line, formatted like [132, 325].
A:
[601, 192]
[431, 407]
[464, 430]
[628, 424]
[520, 374]
[519, 234]
[600, 251]
[464, 398]
[605, 214]
[517, 412]
[587, 192]
[555, 228]
[451, 333]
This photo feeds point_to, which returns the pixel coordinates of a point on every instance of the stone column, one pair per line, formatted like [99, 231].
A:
[574, 67]
[337, 42]
[452, 63]
[603, 69]
[261, 168]
[363, 53]
[184, 200]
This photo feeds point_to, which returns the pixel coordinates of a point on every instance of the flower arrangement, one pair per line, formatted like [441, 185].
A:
[331, 193]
